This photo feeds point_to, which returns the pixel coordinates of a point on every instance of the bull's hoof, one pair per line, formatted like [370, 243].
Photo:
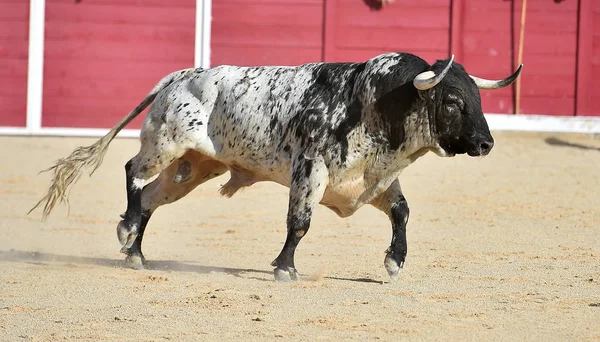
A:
[392, 266]
[125, 234]
[136, 262]
[286, 275]
[135, 259]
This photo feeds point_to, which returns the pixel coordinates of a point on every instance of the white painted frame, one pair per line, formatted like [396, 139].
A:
[539, 123]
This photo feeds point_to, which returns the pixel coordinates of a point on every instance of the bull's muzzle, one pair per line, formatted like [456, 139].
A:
[482, 147]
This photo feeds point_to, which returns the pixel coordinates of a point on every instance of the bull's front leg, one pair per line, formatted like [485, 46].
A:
[309, 180]
[393, 203]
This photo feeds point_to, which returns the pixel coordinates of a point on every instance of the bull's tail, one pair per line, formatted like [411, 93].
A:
[67, 171]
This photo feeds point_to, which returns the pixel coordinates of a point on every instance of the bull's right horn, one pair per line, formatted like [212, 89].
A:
[482, 83]
[428, 79]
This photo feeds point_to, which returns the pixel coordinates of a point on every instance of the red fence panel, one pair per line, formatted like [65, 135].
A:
[588, 101]
[485, 39]
[266, 32]
[102, 57]
[356, 32]
[14, 32]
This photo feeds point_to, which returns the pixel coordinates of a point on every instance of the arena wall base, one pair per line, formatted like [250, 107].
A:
[497, 122]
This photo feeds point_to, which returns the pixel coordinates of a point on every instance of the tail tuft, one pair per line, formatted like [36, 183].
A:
[67, 171]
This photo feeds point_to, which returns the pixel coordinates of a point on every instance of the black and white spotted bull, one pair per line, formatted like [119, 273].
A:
[338, 134]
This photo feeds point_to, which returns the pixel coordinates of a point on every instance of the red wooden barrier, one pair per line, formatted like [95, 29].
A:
[282, 32]
[14, 28]
[355, 32]
[103, 56]
[588, 99]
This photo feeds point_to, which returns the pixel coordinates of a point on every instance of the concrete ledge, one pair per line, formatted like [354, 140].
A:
[544, 123]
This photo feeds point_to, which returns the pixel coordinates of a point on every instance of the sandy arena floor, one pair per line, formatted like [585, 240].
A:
[501, 248]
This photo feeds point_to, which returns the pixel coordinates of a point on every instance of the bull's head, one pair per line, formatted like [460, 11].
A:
[455, 107]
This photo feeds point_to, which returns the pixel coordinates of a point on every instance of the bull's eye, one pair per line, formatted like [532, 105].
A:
[453, 105]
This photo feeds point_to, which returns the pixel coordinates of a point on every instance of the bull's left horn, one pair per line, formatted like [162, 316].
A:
[428, 79]
[482, 83]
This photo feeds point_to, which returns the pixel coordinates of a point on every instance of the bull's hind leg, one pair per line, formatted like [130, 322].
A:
[309, 180]
[393, 203]
[173, 183]
[148, 162]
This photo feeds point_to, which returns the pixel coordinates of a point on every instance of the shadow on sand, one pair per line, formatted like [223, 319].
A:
[559, 142]
[152, 265]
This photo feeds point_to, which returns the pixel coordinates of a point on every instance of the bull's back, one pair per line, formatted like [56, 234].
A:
[256, 117]
[249, 108]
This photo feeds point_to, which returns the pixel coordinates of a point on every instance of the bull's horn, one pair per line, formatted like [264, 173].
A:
[428, 79]
[482, 83]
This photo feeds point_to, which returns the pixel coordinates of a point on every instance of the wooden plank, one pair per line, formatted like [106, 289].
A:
[119, 51]
[13, 68]
[397, 5]
[497, 103]
[241, 35]
[355, 32]
[263, 15]
[457, 28]
[403, 39]
[13, 111]
[595, 45]
[102, 57]
[530, 105]
[552, 22]
[15, 11]
[330, 31]
[92, 88]
[286, 32]
[547, 105]
[13, 63]
[587, 103]
[16, 30]
[273, 2]
[14, 27]
[545, 6]
[533, 6]
[549, 86]
[549, 55]
[139, 3]
[271, 55]
[125, 32]
[14, 48]
[90, 112]
[104, 69]
[404, 18]
[121, 14]
[14, 86]
[541, 43]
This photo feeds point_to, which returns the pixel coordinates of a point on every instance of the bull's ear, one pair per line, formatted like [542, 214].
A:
[482, 83]
[429, 79]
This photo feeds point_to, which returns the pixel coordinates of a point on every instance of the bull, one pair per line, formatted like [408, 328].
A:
[338, 134]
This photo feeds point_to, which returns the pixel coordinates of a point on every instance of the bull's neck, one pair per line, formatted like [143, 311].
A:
[401, 134]
[419, 131]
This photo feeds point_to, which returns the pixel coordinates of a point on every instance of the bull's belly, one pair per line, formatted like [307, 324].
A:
[342, 197]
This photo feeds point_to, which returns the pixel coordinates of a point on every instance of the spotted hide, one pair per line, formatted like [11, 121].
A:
[338, 134]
